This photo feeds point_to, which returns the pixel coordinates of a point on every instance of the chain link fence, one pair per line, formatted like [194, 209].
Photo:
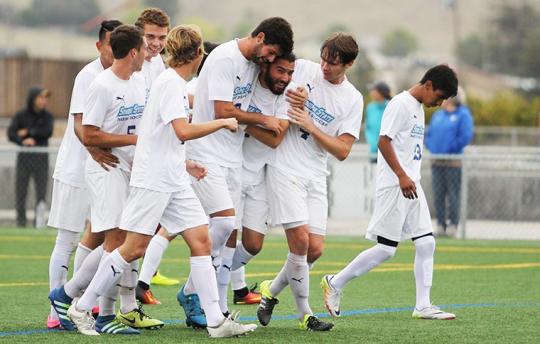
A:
[497, 196]
[490, 192]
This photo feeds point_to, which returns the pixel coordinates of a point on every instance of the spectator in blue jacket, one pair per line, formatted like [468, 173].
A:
[380, 96]
[450, 130]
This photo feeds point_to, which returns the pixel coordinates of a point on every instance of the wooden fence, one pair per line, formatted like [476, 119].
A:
[18, 74]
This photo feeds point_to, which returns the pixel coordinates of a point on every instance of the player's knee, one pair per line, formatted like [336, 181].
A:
[387, 252]
[253, 247]
[314, 254]
[201, 247]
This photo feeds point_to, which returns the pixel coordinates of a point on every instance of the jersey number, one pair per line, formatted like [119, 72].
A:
[304, 134]
[131, 130]
[417, 152]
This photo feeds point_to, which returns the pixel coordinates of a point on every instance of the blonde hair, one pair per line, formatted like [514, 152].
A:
[183, 44]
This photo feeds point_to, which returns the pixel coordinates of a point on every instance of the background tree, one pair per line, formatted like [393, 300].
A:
[399, 43]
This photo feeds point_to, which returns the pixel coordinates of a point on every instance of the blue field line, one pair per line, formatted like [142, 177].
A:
[323, 315]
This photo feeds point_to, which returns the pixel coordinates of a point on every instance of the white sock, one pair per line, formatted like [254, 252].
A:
[107, 276]
[80, 255]
[81, 279]
[423, 270]
[66, 242]
[128, 282]
[224, 276]
[238, 279]
[363, 263]
[298, 277]
[241, 256]
[152, 258]
[279, 283]
[220, 228]
[203, 278]
[310, 265]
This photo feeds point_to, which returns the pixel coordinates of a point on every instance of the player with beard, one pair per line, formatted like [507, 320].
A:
[224, 90]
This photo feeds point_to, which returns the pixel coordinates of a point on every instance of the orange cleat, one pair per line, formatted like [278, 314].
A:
[251, 298]
[146, 297]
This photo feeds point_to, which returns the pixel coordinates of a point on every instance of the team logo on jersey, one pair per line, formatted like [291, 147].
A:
[417, 131]
[319, 114]
[241, 92]
[253, 108]
[134, 111]
[310, 88]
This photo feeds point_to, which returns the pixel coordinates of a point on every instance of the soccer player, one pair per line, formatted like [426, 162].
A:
[401, 211]
[70, 206]
[330, 123]
[224, 90]
[159, 243]
[161, 191]
[113, 108]
[258, 150]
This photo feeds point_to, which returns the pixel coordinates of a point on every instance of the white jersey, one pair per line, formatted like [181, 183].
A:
[403, 122]
[159, 162]
[335, 110]
[255, 153]
[69, 168]
[226, 76]
[151, 70]
[115, 106]
[191, 86]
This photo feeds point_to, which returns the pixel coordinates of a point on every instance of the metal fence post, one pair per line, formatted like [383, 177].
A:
[464, 197]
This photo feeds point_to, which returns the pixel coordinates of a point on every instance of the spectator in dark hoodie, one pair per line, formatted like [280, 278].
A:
[31, 127]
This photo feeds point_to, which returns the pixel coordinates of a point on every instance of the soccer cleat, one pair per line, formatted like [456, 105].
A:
[84, 321]
[230, 328]
[61, 302]
[432, 313]
[266, 307]
[146, 297]
[332, 296]
[312, 323]
[251, 298]
[53, 323]
[110, 324]
[140, 320]
[192, 308]
[159, 279]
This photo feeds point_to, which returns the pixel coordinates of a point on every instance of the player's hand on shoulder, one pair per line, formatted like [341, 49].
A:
[408, 188]
[103, 157]
[196, 170]
[230, 123]
[297, 96]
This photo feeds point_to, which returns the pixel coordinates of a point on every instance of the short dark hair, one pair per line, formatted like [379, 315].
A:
[208, 47]
[290, 57]
[442, 78]
[276, 31]
[153, 15]
[124, 38]
[340, 46]
[107, 26]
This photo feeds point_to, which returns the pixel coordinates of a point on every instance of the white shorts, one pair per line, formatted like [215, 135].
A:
[296, 199]
[108, 194]
[220, 189]
[253, 208]
[176, 211]
[398, 218]
[70, 207]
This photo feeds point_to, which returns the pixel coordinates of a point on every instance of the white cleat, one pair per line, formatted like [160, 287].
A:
[84, 321]
[332, 296]
[432, 313]
[230, 328]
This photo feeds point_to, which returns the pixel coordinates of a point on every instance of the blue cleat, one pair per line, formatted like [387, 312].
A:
[192, 308]
[61, 302]
[109, 324]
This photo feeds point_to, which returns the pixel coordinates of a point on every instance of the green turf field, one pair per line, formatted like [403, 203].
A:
[492, 286]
